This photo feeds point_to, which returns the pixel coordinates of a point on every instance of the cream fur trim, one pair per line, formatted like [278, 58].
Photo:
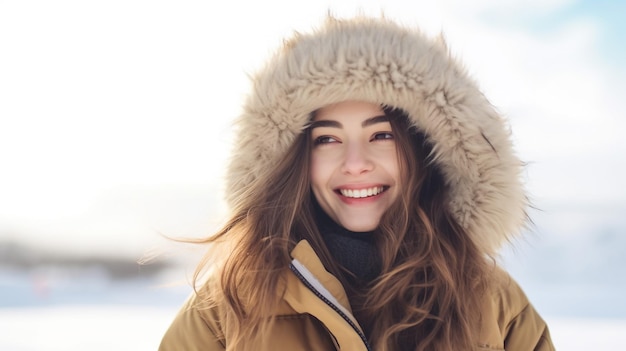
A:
[377, 61]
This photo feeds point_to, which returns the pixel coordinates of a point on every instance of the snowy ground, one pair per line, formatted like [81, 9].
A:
[119, 327]
[94, 328]
[86, 310]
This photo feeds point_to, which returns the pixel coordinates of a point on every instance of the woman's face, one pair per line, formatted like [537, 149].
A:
[355, 175]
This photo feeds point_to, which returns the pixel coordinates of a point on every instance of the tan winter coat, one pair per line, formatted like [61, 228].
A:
[306, 322]
[380, 62]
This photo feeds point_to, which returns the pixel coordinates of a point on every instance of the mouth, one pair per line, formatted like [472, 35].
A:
[362, 193]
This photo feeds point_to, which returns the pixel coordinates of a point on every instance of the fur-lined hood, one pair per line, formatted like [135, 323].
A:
[378, 61]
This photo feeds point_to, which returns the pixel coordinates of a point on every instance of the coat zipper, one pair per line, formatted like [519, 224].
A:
[335, 308]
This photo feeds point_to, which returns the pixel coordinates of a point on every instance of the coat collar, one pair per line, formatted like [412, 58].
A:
[303, 300]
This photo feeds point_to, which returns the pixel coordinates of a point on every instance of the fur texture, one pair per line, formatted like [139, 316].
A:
[378, 61]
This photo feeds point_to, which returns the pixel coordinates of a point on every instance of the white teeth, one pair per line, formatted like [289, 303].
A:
[359, 193]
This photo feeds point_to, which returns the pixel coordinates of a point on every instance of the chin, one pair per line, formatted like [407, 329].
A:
[360, 227]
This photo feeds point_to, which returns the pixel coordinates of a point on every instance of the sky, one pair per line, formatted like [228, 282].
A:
[115, 116]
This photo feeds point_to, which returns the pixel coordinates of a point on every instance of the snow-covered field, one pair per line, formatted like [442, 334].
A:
[94, 328]
[87, 309]
[119, 327]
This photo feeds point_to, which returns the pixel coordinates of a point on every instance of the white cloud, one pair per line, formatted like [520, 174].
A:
[504, 7]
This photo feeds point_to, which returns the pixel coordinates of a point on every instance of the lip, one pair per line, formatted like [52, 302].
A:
[361, 186]
[361, 200]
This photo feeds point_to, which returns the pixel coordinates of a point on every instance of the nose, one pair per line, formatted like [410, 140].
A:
[357, 160]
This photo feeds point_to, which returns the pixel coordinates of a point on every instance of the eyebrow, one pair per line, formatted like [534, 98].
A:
[334, 124]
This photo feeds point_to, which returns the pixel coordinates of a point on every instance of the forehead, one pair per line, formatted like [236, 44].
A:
[348, 110]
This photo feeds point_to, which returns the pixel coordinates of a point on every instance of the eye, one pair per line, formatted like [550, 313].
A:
[324, 139]
[383, 136]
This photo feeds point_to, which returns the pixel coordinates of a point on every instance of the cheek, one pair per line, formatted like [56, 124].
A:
[391, 164]
[321, 167]
[318, 181]
[317, 172]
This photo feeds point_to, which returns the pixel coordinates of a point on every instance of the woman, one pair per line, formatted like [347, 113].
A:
[370, 188]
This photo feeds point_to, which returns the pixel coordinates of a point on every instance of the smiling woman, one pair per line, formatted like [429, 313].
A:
[371, 184]
[355, 176]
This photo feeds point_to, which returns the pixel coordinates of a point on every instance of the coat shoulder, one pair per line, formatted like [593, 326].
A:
[506, 294]
[509, 319]
[195, 327]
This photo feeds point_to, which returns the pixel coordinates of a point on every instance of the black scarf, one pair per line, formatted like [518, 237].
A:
[354, 251]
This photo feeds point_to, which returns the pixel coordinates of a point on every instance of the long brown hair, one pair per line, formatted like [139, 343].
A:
[427, 296]
[429, 292]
